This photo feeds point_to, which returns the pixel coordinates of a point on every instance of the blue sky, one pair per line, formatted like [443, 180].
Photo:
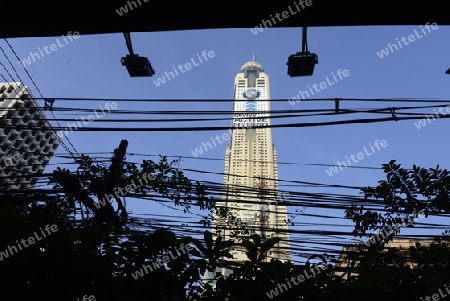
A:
[90, 67]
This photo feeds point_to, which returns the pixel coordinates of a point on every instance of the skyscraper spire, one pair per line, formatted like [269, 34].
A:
[253, 56]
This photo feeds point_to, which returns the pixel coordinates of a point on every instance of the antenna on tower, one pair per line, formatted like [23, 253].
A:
[253, 56]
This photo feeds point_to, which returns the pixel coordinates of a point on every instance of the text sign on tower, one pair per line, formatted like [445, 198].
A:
[250, 119]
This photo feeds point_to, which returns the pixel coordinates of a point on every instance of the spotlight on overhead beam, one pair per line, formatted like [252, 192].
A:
[448, 71]
[137, 66]
[302, 64]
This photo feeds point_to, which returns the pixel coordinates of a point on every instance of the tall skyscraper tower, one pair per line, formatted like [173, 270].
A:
[24, 153]
[251, 171]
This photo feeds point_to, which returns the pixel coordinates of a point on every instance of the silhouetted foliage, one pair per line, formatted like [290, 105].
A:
[100, 249]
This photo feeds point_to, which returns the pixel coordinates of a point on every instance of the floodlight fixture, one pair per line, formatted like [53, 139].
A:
[302, 63]
[136, 65]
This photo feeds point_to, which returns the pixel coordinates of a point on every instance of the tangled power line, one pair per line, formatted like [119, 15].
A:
[305, 237]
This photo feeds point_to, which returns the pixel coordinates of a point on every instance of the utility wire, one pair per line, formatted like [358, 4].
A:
[129, 100]
[221, 128]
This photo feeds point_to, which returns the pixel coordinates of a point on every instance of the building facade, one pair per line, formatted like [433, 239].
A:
[24, 153]
[395, 252]
[251, 171]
